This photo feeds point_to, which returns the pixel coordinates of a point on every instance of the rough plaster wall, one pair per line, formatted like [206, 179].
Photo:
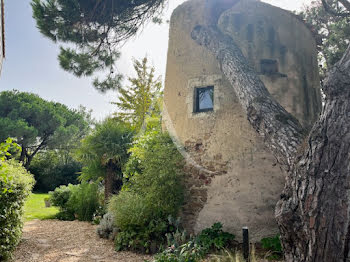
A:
[266, 32]
[231, 177]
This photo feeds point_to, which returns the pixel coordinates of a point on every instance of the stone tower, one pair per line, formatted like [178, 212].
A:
[231, 177]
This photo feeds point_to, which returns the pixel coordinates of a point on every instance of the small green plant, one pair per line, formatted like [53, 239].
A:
[188, 252]
[274, 246]
[214, 238]
[177, 236]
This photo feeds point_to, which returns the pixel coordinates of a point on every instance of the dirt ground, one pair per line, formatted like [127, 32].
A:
[67, 241]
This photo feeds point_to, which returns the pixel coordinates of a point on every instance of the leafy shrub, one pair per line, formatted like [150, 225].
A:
[214, 237]
[77, 201]
[106, 228]
[60, 196]
[274, 245]
[85, 200]
[196, 249]
[188, 252]
[177, 236]
[153, 191]
[15, 185]
[145, 239]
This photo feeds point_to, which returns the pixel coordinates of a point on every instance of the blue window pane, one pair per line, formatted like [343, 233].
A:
[205, 99]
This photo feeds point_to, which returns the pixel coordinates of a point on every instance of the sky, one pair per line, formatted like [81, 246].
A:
[31, 63]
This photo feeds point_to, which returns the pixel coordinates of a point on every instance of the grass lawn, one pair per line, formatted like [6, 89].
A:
[35, 208]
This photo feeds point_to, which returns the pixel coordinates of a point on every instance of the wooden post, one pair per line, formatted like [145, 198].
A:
[245, 243]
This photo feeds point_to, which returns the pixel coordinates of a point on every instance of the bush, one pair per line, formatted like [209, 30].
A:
[106, 228]
[78, 201]
[85, 200]
[214, 238]
[15, 185]
[196, 249]
[60, 196]
[146, 239]
[153, 191]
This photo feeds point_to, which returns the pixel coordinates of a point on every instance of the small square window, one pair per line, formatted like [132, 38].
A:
[204, 99]
[268, 66]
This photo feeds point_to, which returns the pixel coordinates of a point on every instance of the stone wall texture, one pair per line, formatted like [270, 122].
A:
[231, 177]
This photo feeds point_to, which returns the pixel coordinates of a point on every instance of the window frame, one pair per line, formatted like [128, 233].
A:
[196, 108]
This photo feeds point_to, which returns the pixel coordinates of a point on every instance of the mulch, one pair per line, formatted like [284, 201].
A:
[68, 241]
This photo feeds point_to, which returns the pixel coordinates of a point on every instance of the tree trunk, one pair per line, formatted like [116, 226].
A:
[113, 180]
[314, 211]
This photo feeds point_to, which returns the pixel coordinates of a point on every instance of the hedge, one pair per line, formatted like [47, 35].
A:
[15, 185]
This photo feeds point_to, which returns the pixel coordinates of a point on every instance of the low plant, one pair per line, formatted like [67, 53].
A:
[236, 256]
[78, 201]
[15, 186]
[106, 228]
[188, 252]
[146, 239]
[59, 198]
[85, 200]
[194, 250]
[214, 237]
[274, 247]
[177, 235]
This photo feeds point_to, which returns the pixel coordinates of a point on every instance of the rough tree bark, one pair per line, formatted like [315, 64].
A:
[113, 181]
[314, 210]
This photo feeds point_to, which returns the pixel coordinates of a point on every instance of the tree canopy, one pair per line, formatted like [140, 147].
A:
[96, 29]
[140, 99]
[38, 124]
[331, 24]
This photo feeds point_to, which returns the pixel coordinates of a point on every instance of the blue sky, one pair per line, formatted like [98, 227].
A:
[31, 60]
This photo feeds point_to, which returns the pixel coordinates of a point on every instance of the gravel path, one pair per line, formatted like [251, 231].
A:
[67, 241]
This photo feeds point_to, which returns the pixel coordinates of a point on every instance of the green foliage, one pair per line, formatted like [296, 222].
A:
[77, 201]
[85, 200]
[274, 245]
[188, 252]
[209, 239]
[177, 236]
[15, 185]
[139, 101]
[38, 124]
[53, 168]
[214, 237]
[60, 196]
[150, 194]
[154, 172]
[96, 29]
[106, 145]
[145, 239]
[332, 32]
